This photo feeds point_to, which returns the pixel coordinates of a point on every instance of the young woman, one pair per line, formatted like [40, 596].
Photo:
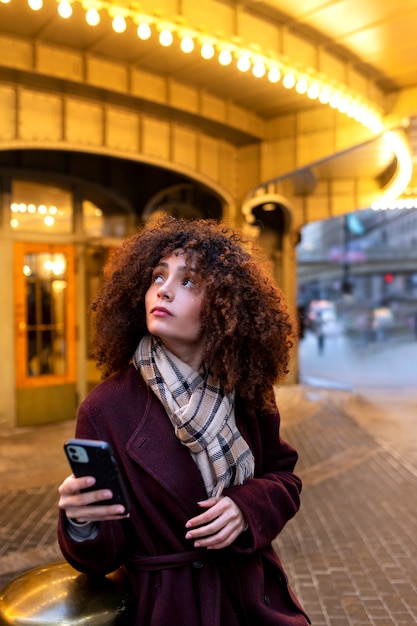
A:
[191, 335]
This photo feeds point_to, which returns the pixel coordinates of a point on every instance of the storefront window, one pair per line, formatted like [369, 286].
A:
[46, 284]
[38, 207]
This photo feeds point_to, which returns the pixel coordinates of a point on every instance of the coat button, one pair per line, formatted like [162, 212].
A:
[198, 564]
[266, 599]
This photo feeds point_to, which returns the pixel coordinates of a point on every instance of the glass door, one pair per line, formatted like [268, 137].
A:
[45, 314]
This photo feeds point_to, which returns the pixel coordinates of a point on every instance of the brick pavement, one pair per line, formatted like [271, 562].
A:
[350, 553]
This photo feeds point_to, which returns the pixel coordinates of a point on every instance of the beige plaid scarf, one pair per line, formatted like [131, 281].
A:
[202, 415]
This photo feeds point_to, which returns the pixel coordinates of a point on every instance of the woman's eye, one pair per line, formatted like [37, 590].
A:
[188, 282]
[157, 278]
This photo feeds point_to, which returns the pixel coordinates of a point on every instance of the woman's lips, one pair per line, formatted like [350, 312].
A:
[160, 311]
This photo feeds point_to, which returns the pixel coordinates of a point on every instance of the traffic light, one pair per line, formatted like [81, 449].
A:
[388, 278]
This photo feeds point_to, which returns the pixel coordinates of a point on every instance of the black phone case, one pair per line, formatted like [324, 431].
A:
[88, 457]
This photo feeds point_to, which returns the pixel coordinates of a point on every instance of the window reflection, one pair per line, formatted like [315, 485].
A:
[45, 276]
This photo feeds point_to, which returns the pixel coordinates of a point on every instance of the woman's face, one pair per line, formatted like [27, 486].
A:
[173, 307]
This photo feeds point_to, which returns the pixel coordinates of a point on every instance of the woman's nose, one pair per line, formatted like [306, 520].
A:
[164, 292]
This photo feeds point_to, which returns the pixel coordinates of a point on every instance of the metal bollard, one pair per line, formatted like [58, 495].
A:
[57, 594]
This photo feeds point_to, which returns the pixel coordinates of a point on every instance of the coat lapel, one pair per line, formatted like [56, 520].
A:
[154, 446]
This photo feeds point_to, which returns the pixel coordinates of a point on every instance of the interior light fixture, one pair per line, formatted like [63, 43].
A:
[65, 9]
[166, 37]
[35, 5]
[207, 50]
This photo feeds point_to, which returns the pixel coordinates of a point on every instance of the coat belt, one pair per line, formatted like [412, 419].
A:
[209, 580]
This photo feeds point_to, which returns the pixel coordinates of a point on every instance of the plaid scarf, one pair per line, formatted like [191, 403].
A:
[202, 415]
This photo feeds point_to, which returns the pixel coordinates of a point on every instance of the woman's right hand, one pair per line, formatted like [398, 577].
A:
[82, 507]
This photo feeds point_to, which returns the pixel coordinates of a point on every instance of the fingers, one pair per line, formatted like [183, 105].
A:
[217, 527]
[81, 505]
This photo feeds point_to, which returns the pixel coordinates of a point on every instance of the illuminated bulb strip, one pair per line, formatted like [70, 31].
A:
[313, 87]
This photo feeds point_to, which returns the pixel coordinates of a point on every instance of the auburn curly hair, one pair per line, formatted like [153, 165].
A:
[245, 322]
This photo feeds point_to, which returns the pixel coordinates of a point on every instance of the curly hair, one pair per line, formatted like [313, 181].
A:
[247, 329]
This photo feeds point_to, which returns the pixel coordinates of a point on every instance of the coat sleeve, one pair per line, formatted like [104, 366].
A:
[106, 551]
[270, 499]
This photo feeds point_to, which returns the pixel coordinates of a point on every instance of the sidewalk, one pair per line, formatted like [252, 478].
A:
[351, 551]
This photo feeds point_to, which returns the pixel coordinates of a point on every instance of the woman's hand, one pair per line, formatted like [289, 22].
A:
[218, 526]
[80, 506]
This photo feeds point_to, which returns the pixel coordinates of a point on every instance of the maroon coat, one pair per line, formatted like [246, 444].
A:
[243, 584]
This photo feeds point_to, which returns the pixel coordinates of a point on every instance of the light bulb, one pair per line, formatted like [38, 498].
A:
[289, 81]
[92, 17]
[225, 57]
[207, 50]
[166, 37]
[243, 63]
[65, 9]
[144, 31]
[274, 75]
[187, 44]
[259, 69]
[35, 5]
[119, 24]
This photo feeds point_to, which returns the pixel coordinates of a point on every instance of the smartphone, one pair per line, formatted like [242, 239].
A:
[89, 457]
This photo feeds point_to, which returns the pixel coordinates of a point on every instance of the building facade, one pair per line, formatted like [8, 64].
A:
[101, 129]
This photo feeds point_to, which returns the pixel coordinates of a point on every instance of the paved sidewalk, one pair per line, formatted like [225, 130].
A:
[351, 551]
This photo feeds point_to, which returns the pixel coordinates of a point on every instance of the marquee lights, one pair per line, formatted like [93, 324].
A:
[274, 69]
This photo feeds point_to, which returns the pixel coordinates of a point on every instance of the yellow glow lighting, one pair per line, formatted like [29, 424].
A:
[243, 63]
[274, 75]
[289, 80]
[166, 37]
[187, 44]
[119, 24]
[313, 85]
[65, 9]
[35, 5]
[259, 69]
[313, 91]
[396, 141]
[207, 50]
[225, 57]
[301, 85]
[92, 17]
[144, 31]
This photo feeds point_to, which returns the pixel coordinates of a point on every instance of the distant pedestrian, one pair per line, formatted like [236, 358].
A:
[319, 331]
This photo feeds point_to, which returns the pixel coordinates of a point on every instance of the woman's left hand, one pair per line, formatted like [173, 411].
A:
[218, 526]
